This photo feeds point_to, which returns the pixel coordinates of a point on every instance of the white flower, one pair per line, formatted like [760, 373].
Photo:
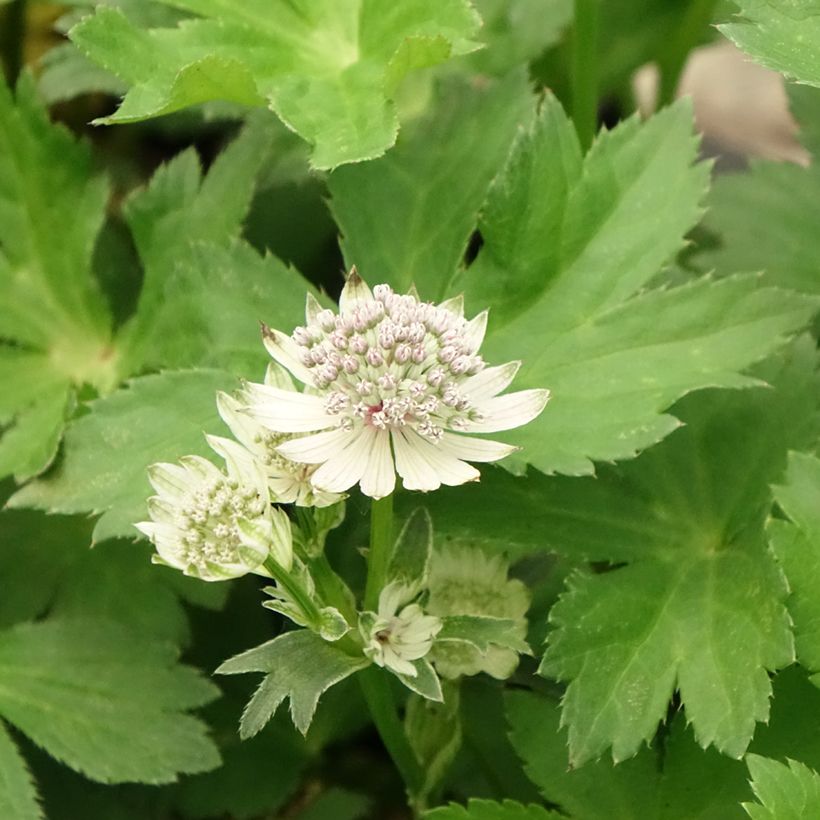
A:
[391, 379]
[212, 524]
[288, 480]
[398, 634]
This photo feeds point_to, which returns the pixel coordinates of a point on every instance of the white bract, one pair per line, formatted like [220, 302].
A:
[289, 481]
[393, 385]
[398, 634]
[215, 525]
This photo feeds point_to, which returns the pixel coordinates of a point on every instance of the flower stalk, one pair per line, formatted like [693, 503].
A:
[378, 556]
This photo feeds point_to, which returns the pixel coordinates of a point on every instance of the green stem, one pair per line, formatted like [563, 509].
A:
[12, 38]
[585, 70]
[381, 544]
[685, 37]
[379, 698]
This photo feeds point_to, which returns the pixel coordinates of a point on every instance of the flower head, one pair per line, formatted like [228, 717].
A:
[393, 385]
[466, 581]
[398, 634]
[289, 481]
[213, 524]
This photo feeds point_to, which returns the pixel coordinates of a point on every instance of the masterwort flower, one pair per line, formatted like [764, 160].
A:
[213, 524]
[289, 481]
[399, 633]
[393, 385]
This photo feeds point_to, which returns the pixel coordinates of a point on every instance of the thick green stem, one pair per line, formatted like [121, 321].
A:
[381, 545]
[382, 706]
[686, 36]
[585, 70]
[12, 38]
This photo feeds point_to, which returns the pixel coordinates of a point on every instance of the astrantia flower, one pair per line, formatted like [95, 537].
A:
[469, 582]
[212, 524]
[398, 634]
[288, 480]
[391, 381]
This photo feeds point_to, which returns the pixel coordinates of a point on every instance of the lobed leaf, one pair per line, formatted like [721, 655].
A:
[784, 792]
[328, 69]
[491, 810]
[86, 691]
[483, 632]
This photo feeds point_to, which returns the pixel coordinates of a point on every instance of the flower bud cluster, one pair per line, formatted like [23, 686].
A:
[392, 361]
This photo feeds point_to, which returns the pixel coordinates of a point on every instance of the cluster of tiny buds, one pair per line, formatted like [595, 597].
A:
[270, 441]
[207, 520]
[390, 361]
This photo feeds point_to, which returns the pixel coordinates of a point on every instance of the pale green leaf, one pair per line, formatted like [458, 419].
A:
[796, 544]
[299, 666]
[108, 702]
[483, 632]
[18, 794]
[410, 561]
[683, 783]
[107, 451]
[699, 605]
[407, 218]
[783, 35]
[326, 68]
[784, 792]
[490, 810]
[425, 682]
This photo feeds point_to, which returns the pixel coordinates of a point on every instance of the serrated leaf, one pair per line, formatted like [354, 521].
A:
[683, 783]
[107, 451]
[54, 322]
[784, 792]
[783, 35]
[490, 810]
[699, 606]
[299, 666]
[567, 245]
[483, 632]
[796, 544]
[108, 702]
[327, 69]
[407, 218]
[18, 794]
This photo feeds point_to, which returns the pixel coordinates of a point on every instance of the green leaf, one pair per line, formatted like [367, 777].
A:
[336, 804]
[425, 682]
[108, 702]
[784, 792]
[490, 810]
[796, 544]
[483, 632]
[18, 794]
[107, 451]
[682, 783]
[54, 322]
[567, 245]
[328, 69]
[699, 605]
[783, 35]
[407, 218]
[300, 666]
[410, 561]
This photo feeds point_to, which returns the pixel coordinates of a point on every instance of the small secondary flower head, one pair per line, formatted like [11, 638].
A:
[393, 385]
[399, 634]
[215, 525]
[289, 481]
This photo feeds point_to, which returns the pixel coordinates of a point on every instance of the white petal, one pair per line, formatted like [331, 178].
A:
[346, 467]
[474, 333]
[379, 479]
[201, 468]
[490, 381]
[447, 469]
[512, 410]
[285, 351]
[354, 291]
[169, 480]
[240, 424]
[287, 411]
[454, 305]
[241, 464]
[317, 448]
[277, 376]
[416, 473]
[474, 449]
[312, 308]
